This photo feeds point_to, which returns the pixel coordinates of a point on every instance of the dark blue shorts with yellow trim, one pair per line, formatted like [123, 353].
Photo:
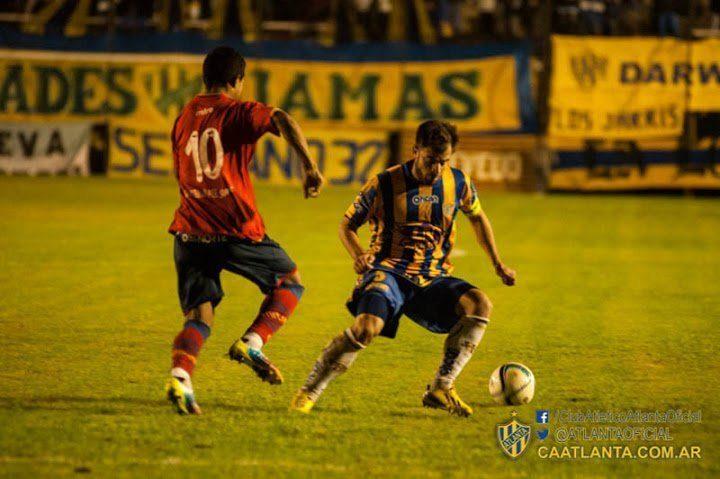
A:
[431, 306]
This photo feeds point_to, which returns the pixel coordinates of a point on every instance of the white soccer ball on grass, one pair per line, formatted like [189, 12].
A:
[512, 383]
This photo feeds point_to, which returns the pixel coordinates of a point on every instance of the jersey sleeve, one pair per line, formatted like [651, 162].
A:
[364, 204]
[469, 202]
[250, 120]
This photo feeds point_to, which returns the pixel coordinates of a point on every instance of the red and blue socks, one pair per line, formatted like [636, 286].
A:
[187, 344]
[274, 311]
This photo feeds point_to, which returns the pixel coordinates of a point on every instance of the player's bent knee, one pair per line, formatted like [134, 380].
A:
[366, 327]
[296, 289]
[292, 283]
[293, 278]
[203, 312]
[475, 303]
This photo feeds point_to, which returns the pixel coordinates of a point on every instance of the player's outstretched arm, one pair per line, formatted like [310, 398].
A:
[290, 130]
[362, 261]
[486, 238]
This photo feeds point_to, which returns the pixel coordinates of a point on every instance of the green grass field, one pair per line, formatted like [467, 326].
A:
[616, 307]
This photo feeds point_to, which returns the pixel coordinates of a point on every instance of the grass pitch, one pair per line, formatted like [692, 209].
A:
[616, 307]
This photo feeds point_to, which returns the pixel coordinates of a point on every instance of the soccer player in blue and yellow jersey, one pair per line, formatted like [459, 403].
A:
[411, 210]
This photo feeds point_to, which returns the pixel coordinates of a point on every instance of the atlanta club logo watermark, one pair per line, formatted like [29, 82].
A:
[513, 436]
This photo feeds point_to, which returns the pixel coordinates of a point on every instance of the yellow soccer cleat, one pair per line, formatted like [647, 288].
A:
[182, 397]
[265, 370]
[301, 402]
[447, 400]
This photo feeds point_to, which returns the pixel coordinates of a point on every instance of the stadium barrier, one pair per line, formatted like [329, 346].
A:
[37, 149]
[623, 165]
[632, 113]
[347, 100]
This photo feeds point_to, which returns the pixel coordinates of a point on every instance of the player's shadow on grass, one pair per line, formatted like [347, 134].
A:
[414, 412]
[114, 405]
[63, 403]
[489, 405]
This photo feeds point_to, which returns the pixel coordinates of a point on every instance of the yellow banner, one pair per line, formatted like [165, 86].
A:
[139, 96]
[630, 88]
[649, 164]
[344, 157]
[705, 89]
[621, 178]
[475, 94]
[617, 87]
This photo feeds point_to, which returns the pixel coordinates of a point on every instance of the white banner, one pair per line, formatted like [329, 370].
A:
[45, 149]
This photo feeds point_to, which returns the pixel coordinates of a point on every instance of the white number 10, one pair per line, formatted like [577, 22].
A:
[198, 150]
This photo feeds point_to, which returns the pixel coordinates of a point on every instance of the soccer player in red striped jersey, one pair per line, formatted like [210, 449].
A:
[217, 225]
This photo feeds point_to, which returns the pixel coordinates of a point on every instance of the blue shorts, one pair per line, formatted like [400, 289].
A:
[199, 264]
[431, 306]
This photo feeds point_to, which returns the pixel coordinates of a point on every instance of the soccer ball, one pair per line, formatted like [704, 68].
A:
[512, 383]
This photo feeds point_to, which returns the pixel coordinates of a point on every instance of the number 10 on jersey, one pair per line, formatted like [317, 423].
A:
[197, 148]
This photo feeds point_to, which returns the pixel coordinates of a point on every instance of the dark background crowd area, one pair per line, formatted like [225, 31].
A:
[349, 21]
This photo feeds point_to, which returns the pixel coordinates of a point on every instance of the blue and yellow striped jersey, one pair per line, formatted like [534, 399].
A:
[413, 225]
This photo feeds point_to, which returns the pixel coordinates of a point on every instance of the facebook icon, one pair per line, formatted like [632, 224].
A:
[542, 416]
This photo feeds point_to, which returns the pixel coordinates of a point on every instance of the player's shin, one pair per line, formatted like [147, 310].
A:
[460, 344]
[187, 344]
[274, 311]
[335, 359]
[186, 348]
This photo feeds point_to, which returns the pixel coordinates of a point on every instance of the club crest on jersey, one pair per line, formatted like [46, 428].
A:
[513, 437]
[418, 199]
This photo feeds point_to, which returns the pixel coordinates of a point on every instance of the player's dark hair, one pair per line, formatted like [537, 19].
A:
[436, 134]
[222, 65]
